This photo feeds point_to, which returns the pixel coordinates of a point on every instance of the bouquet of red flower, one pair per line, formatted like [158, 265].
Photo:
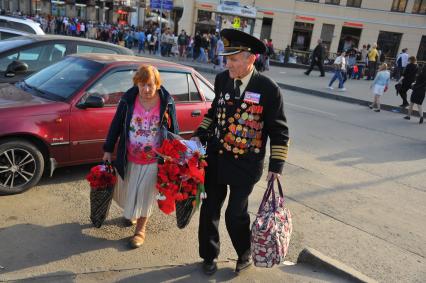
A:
[101, 177]
[181, 178]
[102, 180]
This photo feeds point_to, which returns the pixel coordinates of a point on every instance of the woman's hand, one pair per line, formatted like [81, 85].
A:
[107, 157]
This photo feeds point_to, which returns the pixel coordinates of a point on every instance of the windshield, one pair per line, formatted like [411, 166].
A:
[13, 42]
[61, 80]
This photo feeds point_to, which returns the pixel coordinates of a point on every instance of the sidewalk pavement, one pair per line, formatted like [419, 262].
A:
[357, 91]
[313, 267]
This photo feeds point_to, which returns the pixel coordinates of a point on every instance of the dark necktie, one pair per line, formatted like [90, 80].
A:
[238, 83]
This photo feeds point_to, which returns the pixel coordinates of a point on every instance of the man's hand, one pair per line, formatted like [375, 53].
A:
[272, 176]
[107, 157]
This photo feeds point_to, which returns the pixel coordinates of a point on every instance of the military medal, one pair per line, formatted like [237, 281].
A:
[227, 96]
[243, 105]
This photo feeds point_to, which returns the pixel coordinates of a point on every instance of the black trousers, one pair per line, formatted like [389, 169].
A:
[320, 67]
[372, 65]
[236, 217]
[403, 94]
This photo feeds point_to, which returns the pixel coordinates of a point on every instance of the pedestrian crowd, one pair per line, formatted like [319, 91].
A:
[371, 63]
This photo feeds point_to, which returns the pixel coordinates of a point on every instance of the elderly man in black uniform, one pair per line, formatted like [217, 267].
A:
[247, 110]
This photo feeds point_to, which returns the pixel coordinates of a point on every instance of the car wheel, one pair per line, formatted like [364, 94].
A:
[21, 166]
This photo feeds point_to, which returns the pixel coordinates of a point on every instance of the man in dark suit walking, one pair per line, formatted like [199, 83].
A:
[317, 59]
[247, 110]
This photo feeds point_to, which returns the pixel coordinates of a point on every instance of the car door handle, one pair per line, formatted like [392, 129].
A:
[195, 113]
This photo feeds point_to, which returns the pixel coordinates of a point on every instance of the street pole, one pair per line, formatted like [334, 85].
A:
[161, 16]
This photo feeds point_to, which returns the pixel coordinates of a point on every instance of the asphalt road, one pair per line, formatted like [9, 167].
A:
[355, 183]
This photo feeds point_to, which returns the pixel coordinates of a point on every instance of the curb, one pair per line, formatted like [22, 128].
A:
[316, 259]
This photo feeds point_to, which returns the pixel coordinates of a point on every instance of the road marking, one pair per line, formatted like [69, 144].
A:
[283, 72]
[312, 109]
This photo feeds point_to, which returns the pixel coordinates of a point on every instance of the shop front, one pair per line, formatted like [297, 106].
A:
[81, 9]
[225, 16]
[58, 8]
[302, 33]
[350, 36]
[389, 43]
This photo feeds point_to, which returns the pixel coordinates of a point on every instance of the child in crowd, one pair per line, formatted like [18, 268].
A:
[379, 86]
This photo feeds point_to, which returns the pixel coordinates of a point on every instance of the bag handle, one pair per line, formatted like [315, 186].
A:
[108, 166]
[270, 190]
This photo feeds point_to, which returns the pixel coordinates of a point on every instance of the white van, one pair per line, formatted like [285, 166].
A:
[16, 26]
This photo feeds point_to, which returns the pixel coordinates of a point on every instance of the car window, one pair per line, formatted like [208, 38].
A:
[36, 57]
[112, 86]
[94, 49]
[207, 90]
[5, 35]
[176, 84]
[62, 79]
[193, 91]
[17, 26]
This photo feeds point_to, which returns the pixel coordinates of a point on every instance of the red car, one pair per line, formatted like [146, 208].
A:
[60, 115]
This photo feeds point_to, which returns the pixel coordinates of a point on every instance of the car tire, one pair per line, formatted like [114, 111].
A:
[21, 166]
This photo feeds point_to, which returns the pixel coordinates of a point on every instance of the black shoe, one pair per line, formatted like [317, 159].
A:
[376, 110]
[209, 267]
[371, 106]
[306, 73]
[407, 118]
[403, 105]
[421, 120]
[243, 265]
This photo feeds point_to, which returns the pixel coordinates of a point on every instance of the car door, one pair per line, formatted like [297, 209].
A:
[190, 106]
[89, 127]
[36, 57]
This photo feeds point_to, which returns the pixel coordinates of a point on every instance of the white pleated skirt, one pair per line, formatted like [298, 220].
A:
[136, 193]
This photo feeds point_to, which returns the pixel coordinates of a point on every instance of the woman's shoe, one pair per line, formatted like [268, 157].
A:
[407, 118]
[371, 106]
[421, 120]
[376, 110]
[137, 240]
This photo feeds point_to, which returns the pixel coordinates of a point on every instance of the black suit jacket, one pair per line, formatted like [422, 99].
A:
[247, 168]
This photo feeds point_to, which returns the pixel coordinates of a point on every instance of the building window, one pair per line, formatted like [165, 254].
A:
[399, 6]
[354, 3]
[419, 7]
[388, 42]
[332, 2]
[421, 54]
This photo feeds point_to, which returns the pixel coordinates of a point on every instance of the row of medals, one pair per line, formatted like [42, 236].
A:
[243, 130]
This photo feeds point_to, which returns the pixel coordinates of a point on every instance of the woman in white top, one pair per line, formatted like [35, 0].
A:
[339, 68]
[379, 86]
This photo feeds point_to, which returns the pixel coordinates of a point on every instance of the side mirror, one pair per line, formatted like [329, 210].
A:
[92, 101]
[16, 67]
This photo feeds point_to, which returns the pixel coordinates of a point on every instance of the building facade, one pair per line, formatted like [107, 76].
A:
[108, 11]
[341, 24]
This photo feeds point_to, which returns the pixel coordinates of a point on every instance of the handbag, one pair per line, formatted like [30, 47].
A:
[271, 230]
[184, 211]
[100, 201]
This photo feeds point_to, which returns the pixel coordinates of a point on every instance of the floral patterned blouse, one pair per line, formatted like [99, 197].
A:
[144, 134]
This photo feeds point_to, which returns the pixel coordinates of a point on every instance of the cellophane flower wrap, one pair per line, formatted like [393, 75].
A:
[101, 177]
[181, 175]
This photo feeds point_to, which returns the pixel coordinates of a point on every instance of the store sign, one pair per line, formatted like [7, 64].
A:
[304, 18]
[351, 24]
[248, 12]
[166, 5]
[237, 23]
